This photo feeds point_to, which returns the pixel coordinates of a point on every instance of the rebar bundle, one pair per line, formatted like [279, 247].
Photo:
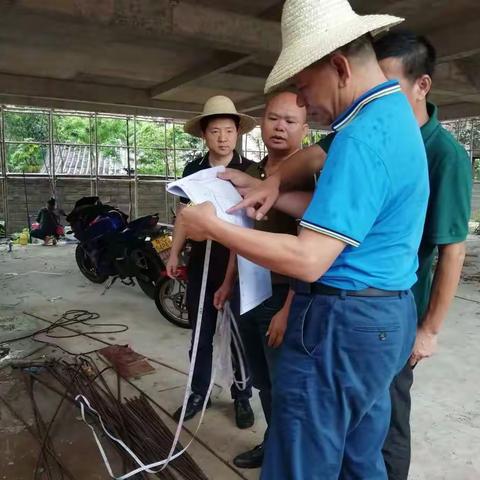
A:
[132, 420]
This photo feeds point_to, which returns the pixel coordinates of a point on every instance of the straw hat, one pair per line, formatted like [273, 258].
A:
[219, 105]
[312, 29]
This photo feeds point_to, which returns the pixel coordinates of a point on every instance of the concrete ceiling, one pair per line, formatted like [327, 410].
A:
[166, 57]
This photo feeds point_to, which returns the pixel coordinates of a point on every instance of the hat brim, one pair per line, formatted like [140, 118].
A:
[247, 123]
[312, 47]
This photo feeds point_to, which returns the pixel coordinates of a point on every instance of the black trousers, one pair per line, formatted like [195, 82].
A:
[203, 365]
[41, 233]
[261, 358]
[397, 448]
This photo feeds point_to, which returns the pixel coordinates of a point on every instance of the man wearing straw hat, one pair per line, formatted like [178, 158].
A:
[353, 319]
[410, 59]
[219, 125]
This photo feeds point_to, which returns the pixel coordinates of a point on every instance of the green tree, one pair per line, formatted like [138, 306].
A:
[314, 136]
[25, 127]
[20, 126]
[156, 143]
[26, 157]
[69, 129]
[187, 147]
[156, 147]
[111, 133]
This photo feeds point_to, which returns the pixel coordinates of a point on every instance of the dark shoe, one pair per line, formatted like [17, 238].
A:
[243, 413]
[251, 459]
[194, 405]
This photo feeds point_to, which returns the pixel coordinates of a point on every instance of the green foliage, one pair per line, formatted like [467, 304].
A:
[69, 129]
[112, 131]
[156, 142]
[26, 157]
[23, 126]
[314, 136]
[476, 169]
[151, 156]
[156, 148]
[467, 132]
[149, 134]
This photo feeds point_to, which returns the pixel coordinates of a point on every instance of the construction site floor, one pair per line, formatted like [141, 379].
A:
[46, 282]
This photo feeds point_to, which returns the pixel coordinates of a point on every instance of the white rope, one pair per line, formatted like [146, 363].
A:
[225, 315]
[241, 384]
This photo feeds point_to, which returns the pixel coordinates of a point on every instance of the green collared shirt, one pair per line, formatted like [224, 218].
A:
[448, 212]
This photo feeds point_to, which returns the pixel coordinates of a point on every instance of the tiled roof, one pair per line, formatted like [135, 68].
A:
[75, 160]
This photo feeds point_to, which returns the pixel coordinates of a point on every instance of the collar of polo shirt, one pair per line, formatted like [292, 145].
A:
[386, 88]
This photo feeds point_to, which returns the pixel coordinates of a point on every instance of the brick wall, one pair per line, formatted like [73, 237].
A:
[152, 197]
[38, 192]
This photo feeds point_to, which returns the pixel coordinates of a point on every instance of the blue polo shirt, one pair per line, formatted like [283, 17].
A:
[373, 193]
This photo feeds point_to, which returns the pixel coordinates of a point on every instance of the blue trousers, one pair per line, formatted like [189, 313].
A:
[331, 403]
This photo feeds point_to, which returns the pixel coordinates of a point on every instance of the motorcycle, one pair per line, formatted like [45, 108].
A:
[171, 294]
[112, 247]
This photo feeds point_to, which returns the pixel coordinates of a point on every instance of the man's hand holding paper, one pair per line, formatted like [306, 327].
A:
[196, 220]
[214, 198]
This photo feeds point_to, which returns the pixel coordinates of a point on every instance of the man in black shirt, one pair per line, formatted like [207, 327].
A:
[284, 126]
[219, 125]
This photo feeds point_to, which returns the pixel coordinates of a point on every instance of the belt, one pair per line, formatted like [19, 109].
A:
[321, 289]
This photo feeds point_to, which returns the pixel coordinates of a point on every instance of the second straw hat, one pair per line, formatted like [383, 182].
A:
[219, 105]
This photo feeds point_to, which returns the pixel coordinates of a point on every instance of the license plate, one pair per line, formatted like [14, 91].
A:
[162, 243]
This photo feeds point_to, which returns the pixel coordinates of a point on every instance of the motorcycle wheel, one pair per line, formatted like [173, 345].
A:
[170, 299]
[147, 267]
[87, 267]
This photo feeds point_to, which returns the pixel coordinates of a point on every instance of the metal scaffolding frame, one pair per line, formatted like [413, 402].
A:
[466, 131]
[130, 148]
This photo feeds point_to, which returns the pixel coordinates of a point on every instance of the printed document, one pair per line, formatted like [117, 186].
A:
[205, 186]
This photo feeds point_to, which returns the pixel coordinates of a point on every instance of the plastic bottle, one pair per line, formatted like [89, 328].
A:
[24, 237]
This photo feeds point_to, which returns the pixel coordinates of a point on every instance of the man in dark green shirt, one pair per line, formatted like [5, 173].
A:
[449, 205]
[411, 60]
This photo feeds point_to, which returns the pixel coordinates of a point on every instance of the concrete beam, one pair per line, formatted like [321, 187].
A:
[24, 88]
[458, 110]
[449, 77]
[457, 41]
[91, 107]
[471, 69]
[175, 21]
[449, 96]
[220, 62]
[408, 9]
[229, 81]
[251, 104]
[253, 70]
